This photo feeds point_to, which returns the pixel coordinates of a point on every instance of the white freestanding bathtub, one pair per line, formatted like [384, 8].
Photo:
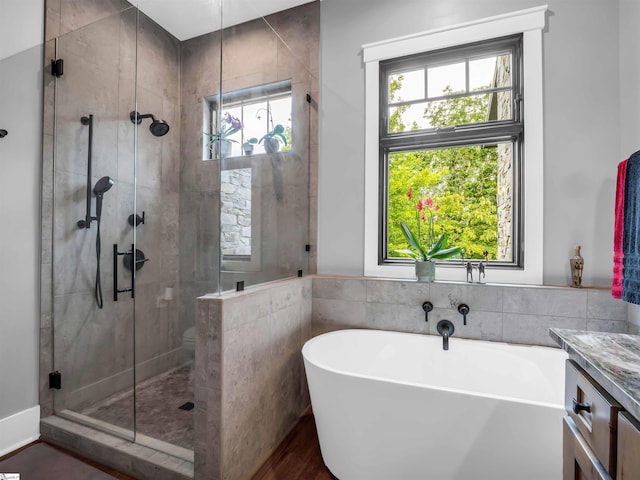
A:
[396, 406]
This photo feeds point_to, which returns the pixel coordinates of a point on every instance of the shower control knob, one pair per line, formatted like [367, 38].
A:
[140, 260]
[137, 219]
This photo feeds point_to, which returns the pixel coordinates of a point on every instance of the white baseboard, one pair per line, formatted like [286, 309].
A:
[19, 429]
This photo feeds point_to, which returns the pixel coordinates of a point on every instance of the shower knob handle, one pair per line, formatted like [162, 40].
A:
[137, 219]
[427, 307]
[463, 309]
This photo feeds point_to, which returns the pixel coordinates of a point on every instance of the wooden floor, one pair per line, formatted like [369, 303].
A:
[41, 461]
[296, 458]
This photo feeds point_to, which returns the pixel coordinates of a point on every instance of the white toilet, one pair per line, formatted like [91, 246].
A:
[189, 352]
[189, 342]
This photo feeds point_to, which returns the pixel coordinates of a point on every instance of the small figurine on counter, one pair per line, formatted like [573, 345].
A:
[482, 267]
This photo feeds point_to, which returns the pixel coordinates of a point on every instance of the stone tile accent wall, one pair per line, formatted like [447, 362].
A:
[235, 217]
[518, 314]
[250, 385]
[505, 155]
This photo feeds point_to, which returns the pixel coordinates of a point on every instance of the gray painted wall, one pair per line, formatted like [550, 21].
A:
[20, 154]
[584, 55]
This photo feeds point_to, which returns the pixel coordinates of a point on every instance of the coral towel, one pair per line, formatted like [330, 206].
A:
[616, 287]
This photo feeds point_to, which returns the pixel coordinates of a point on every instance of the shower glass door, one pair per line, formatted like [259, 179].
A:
[93, 181]
[267, 90]
[123, 318]
[164, 351]
[148, 197]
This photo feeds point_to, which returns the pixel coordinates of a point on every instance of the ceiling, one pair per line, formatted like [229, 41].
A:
[186, 19]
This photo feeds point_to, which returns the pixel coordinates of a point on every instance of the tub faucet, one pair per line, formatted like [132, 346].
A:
[446, 329]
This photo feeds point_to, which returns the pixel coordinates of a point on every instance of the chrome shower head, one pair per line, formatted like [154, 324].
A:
[158, 128]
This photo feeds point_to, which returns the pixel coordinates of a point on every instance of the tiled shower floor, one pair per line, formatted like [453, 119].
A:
[157, 408]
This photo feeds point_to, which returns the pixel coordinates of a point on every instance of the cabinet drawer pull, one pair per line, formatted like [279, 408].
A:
[577, 406]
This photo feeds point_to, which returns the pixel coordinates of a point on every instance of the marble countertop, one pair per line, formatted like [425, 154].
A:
[612, 359]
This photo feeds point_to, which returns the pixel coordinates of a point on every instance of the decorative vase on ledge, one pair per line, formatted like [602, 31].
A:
[426, 271]
[577, 265]
[271, 145]
[221, 148]
[248, 148]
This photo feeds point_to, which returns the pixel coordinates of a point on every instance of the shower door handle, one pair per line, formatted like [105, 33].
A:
[116, 291]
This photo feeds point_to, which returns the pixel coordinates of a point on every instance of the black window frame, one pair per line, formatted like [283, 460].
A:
[482, 133]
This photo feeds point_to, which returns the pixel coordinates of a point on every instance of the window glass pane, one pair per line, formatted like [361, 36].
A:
[467, 192]
[254, 124]
[503, 106]
[458, 111]
[236, 137]
[408, 117]
[446, 79]
[451, 112]
[503, 67]
[406, 86]
[281, 115]
[235, 215]
[467, 189]
[481, 73]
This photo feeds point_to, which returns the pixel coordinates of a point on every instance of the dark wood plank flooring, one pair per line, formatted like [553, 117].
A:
[296, 458]
[41, 461]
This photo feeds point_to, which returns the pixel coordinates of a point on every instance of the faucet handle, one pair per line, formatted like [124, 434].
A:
[463, 308]
[427, 307]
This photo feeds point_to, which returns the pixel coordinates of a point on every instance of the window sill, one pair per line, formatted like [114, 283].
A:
[240, 158]
[458, 273]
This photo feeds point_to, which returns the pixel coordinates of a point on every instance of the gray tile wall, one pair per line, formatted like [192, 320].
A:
[517, 314]
[634, 319]
[250, 385]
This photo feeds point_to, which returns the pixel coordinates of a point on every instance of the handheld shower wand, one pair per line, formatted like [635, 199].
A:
[102, 186]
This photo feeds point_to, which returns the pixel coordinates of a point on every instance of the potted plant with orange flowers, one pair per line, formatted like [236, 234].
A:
[426, 248]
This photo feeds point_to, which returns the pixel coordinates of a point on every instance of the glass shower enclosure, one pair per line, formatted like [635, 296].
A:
[180, 165]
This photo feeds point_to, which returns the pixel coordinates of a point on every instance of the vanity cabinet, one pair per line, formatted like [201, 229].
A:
[594, 413]
[579, 461]
[628, 448]
[600, 441]
[601, 431]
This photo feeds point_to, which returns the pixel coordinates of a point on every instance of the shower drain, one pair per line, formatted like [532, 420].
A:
[186, 406]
